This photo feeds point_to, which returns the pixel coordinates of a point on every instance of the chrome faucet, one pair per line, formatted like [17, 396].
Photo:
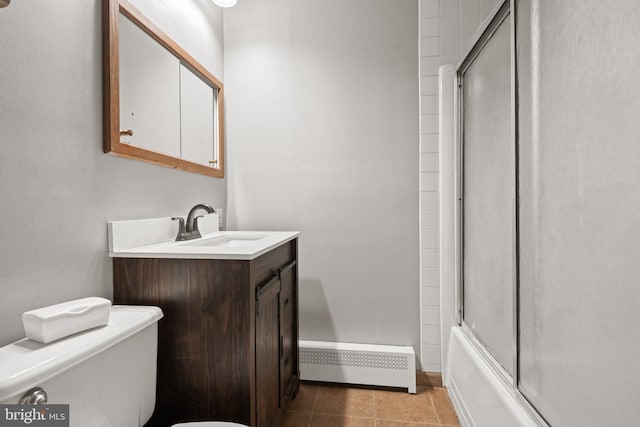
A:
[190, 230]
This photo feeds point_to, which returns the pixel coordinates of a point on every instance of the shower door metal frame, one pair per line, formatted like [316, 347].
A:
[499, 16]
[505, 10]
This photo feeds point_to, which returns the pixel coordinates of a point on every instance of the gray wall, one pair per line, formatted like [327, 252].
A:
[322, 104]
[57, 188]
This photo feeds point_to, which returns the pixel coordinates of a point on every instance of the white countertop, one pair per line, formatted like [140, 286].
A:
[243, 245]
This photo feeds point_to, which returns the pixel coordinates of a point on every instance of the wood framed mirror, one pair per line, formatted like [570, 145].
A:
[161, 105]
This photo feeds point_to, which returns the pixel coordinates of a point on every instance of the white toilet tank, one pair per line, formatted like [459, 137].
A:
[107, 375]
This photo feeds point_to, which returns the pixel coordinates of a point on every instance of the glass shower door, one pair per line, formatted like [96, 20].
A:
[488, 188]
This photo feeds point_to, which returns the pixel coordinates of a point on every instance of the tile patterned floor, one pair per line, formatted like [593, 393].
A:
[336, 406]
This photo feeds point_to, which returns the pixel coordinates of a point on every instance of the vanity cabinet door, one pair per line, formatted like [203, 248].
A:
[288, 332]
[267, 352]
[276, 338]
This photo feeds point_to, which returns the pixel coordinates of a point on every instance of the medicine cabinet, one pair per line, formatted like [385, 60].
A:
[161, 105]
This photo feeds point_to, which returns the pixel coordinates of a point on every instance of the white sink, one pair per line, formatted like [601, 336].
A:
[230, 239]
[155, 238]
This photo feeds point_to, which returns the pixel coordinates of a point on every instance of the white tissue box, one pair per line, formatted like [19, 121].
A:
[57, 321]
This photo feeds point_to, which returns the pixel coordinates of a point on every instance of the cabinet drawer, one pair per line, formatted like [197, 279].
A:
[266, 265]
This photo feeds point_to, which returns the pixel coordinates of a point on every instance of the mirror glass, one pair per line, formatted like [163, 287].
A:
[148, 72]
[161, 105]
[198, 121]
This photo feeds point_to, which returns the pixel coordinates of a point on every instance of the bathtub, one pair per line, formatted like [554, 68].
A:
[479, 395]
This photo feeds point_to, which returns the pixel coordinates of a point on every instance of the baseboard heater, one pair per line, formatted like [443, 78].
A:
[367, 364]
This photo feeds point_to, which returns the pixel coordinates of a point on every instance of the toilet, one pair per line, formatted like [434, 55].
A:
[107, 375]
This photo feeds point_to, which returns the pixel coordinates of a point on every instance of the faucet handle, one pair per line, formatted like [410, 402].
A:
[182, 232]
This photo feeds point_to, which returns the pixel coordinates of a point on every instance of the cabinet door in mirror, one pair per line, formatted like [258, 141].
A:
[160, 105]
[197, 106]
[148, 71]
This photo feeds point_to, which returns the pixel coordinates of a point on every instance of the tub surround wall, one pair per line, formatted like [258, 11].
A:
[579, 207]
[323, 114]
[58, 188]
[448, 219]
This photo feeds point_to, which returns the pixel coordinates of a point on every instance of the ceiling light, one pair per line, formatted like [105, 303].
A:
[225, 3]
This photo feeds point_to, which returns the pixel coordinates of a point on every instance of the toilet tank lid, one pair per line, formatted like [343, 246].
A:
[25, 363]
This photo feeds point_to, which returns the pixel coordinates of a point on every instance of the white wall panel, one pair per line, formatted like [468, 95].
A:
[580, 204]
[322, 130]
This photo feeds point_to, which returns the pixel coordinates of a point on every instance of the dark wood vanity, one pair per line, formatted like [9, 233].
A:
[228, 342]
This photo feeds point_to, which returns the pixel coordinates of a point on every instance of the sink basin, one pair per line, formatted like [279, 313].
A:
[228, 240]
[155, 238]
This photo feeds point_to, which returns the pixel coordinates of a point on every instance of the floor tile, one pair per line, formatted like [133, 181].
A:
[295, 419]
[444, 408]
[401, 406]
[344, 401]
[325, 420]
[324, 405]
[305, 399]
[388, 423]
